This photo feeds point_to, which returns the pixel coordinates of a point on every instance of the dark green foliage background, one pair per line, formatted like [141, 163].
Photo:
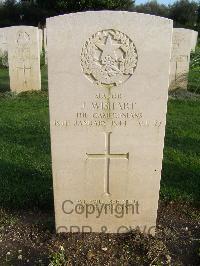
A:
[185, 13]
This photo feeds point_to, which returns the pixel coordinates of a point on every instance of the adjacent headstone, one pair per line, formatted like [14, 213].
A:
[24, 58]
[3, 47]
[183, 43]
[3, 41]
[41, 39]
[45, 44]
[108, 87]
[194, 39]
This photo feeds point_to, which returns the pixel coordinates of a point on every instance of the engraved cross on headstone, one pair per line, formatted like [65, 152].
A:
[24, 68]
[107, 156]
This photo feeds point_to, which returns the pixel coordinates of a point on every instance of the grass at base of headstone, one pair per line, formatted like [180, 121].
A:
[25, 160]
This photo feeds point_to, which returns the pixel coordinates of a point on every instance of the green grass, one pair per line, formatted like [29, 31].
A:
[25, 164]
[194, 80]
[4, 80]
[194, 73]
[181, 166]
[25, 160]
[44, 77]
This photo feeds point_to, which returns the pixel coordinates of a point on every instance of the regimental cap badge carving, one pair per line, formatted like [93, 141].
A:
[23, 38]
[109, 58]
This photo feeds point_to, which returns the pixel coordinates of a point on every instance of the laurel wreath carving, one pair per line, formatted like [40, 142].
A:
[109, 71]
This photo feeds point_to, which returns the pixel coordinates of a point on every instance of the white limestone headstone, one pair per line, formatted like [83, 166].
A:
[3, 41]
[45, 44]
[108, 90]
[194, 39]
[24, 58]
[3, 47]
[183, 43]
[41, 39]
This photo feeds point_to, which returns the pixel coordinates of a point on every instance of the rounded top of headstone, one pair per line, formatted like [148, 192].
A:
[112, 13]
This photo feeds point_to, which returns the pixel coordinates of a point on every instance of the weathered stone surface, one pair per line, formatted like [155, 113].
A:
[108, 87]
[24, 58]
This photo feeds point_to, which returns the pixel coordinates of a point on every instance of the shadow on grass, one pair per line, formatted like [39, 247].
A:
[37, 142]
[180, 181]
[24, 187]
[25, 162]
[185, 144]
